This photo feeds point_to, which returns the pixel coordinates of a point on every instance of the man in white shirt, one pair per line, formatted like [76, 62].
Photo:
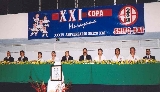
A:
[117, 56]
[132, 55]
[54, 58]
[40, 57]
[100, 56]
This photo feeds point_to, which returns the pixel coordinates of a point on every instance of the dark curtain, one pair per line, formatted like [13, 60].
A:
[48, 4]
[146, 1]
[85, 3]
[104, 2]
[3, 7]
[125, 1]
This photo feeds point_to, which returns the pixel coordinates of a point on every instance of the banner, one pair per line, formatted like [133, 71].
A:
[87, 22]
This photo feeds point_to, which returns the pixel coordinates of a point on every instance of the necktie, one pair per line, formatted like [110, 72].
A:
[148, 56]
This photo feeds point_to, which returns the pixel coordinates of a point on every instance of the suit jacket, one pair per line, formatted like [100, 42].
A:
[24, 59]
[11, 59]
[88, 57]
[151, 57]
[65, 59]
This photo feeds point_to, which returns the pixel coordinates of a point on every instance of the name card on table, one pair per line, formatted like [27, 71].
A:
[56, 73]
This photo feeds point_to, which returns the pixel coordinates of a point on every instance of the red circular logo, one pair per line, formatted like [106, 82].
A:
[128, 15]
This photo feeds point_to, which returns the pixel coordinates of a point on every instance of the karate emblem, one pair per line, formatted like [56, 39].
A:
[128, 15]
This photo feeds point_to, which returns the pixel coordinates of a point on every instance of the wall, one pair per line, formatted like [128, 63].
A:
[151, 17]
[14, 26]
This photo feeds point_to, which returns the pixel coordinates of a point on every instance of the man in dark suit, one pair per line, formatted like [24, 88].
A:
[148, 55]
[9, 58]
[22, 58]
[67, 57]
[85, 56]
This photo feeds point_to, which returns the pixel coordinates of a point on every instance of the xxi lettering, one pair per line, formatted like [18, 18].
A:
[72, 15]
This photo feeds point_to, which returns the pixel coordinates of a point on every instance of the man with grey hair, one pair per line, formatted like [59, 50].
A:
[133, 55]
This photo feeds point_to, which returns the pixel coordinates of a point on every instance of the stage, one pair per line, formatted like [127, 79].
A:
[26, 87]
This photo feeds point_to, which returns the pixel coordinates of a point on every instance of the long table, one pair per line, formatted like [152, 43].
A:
[137, 74]
[22, 73]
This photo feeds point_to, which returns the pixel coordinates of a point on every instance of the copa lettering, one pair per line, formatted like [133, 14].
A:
[95, 13]
[72, 15]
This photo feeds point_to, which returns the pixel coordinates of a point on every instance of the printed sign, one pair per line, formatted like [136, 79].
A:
[87, 22]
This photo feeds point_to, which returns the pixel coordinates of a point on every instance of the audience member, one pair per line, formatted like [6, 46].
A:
[132, 55]
[54, 58]
[67, 57]
[117, 56]
[9, 58]
[148, 55]
[100, 56]
[85, 55]
[40, 57]
[22, 56]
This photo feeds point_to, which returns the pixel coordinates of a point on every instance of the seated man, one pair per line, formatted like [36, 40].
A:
[22, 56]
[67, 57]
[117, 56]
[9, 58]
[40, 57]
[100, 56]
[85, 56]
[54, 57]
[148, 55]
[133, 55]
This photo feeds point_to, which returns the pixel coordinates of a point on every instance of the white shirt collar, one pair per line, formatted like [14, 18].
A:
[55, 59]
[102, 58]
[120, 58]
[133, 58]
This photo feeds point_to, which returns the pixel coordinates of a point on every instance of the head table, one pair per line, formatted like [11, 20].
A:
[136, 74]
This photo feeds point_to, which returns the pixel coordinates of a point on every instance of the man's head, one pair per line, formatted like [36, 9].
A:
[39, 54]
[34, 25]
[132, 51]
[117, 51]
[67, 53]
[100, 51]
[40, 22]
[45, 17]
[148, 52]
[22, 53]
[37, 15]
[53, 54]
[85, 51]
[8, 54]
